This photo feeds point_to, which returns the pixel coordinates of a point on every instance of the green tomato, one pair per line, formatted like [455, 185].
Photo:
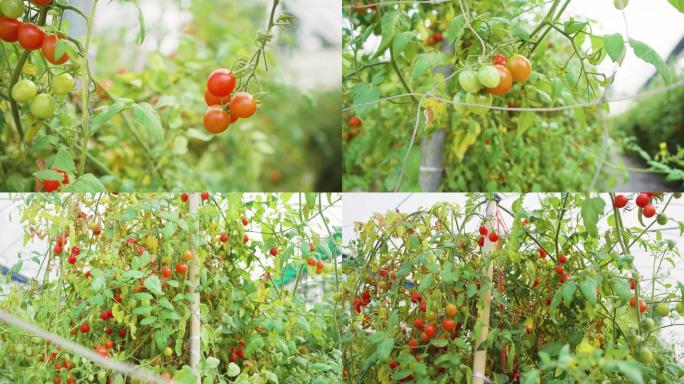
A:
[12, 8]
[489, 76]
[661, 219]
[645, 355]
[484, 100]
[468, 81]
[620, 4]
[168, 351]
[648, 324]
[62, 84]
[42, 106]
[459, 97]
[680, 309]
[662, 309]
[24, 91]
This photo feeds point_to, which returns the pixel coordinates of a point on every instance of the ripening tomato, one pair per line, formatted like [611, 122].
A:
[48, 48]
[520, 68]
[30, 36]
[221, 82]
[504, 84]
[212, 99]
[9, 29]
[243, 105]
[216, 120]
[53, 185]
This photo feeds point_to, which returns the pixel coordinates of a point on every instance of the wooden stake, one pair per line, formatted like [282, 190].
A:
[195, 352]
[480, 358]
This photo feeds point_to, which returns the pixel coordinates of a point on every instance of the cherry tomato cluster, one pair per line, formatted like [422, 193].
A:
[644, 201]
[223, 107]
[355, 123]
[496, 79]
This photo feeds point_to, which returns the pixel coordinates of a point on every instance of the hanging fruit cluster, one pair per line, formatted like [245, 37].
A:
[224, 107]
[496, 79]
[32, 37]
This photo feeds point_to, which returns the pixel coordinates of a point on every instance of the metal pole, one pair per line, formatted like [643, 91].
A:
[195, 305]
[480, 358]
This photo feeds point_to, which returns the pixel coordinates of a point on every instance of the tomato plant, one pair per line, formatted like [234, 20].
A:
[545, 130]
[123, 290]
[145, 106]
[551, 297]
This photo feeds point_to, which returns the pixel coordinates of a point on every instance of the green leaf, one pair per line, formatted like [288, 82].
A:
[592, 209]
[364, 96]
[153, 284]
[145, 114]
[427, 61]
[569, 289]
[647, 54]
[64, 161]
[107, 114]
[615, 46]
[401, 40]
[588, 288]
[455, 29]
[679, 4]
[86, 183]
[392, 23]
[425, 283]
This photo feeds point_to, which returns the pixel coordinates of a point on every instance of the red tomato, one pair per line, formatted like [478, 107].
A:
[166, 272]
[53, 185]
[48, 49]
[30, 36]
[643, 199]
[504, 84]
[181, 268]
[499, 59]
[212, 99]
[649, 211]
[620, 201]
[9, 29]
[221, 82]
[216, 120]
[243, 105]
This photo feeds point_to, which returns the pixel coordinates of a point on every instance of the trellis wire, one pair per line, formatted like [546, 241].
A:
[130, 370]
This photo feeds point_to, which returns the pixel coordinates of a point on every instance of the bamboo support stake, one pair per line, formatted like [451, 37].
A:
[480, 358]
[195, 305]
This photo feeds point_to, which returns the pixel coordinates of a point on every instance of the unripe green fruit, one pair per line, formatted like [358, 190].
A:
[42, 106]
[468, 81]
[662, 309]
[489, 76]
[24, 91]
[12, 8]
[62, 84]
